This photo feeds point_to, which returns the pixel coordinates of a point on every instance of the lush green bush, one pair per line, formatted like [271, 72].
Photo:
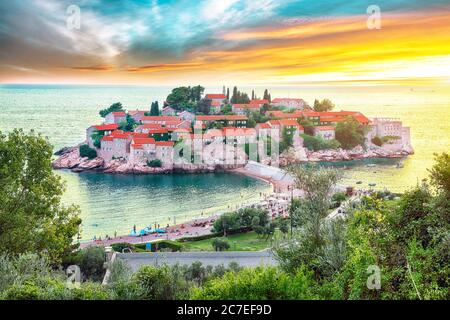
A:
[338, 198]
[377, 141]
[112, 108]
[156, 163]
[241, 219]
[86, 151]
[262, 283]
[163, 244]
[32, 216]
[118, 247]
[349, 133]
[91, 262]
[318, 143]
[161, 283]
[220, 244]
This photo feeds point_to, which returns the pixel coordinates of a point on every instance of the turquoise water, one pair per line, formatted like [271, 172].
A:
[116, 203]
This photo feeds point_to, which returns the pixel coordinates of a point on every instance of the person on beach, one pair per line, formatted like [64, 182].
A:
[134, 229]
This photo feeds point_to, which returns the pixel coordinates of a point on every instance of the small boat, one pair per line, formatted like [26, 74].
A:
[371, 165]
[372, 184]
[358, 182]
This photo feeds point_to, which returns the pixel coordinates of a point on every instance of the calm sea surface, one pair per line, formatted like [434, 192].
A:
[112, 203]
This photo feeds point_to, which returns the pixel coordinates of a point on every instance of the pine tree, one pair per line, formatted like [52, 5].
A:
[154, 109]
[235, 95]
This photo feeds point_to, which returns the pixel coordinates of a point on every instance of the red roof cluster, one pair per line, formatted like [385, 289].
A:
[107, 127]
[259, 101]
[215, 96]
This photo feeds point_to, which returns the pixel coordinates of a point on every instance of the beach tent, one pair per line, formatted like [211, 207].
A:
[160, 230]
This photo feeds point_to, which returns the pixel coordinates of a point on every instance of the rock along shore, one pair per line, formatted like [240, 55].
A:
[69, 158]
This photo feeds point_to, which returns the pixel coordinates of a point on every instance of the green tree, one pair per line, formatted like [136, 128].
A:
[324, 105]
[161, 283]
[286, 140]
[156, 163]
[261, 283]
[32, 218]
[115, 107]
[307, 125]
[97, 136]
[85, 151]
[377, 141]
[220, 244]
[128, 125]
[309, 240]
[204, 106]
[182, 98]
[154, 109]
[440, 172]
[349, 133]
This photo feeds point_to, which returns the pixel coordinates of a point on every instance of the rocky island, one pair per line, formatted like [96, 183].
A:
[233, 131]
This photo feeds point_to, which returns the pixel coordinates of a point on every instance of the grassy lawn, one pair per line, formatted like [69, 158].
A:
[248, 241]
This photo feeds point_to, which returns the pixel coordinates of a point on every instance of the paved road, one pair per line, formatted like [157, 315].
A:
[243, 258]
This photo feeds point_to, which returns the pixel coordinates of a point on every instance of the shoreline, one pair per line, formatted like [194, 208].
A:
[69, 158]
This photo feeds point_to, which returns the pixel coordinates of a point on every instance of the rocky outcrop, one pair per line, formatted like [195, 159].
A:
[70, 159]
[298, 155]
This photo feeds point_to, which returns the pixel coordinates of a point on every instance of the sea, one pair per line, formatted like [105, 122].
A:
[113, 204]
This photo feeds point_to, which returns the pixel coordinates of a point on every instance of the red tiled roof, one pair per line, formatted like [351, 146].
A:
[221, 117]
[107, 127]
[119, 134]
[288, 122]
[273, 123]
[264, 125]
[119, 114]
[160, 130]
[285, 115]
[139, 135]
[136, 146]
[107, 138]
[142, 141]
[215, 96]
[263, 101]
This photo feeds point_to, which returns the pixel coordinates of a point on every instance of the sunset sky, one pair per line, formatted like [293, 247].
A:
[217, 42]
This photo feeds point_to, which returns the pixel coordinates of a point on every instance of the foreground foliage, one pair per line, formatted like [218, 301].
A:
[32, 217]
